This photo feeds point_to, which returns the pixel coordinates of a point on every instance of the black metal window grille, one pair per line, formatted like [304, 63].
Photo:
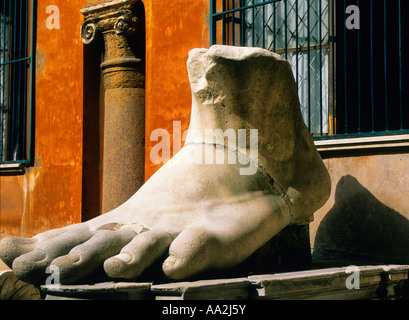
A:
[350, 82]
[16, 81]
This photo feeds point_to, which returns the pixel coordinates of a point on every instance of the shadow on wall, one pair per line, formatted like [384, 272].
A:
[359, 229]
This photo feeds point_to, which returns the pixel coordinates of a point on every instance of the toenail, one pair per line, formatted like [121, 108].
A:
[170, 261]
[73, 257]
[38, 255]
[124, 257]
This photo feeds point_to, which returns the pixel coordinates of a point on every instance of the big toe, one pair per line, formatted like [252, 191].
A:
[11, 248]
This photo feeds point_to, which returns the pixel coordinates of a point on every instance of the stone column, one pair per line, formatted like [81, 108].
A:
[121, 29]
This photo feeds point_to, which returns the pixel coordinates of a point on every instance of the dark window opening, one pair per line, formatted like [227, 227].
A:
[350, 82]
[16, 77]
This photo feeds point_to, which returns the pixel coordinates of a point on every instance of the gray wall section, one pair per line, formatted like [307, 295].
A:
[366, 218]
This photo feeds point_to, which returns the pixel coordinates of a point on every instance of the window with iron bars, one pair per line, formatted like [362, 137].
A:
[16, 81]
[350, 82]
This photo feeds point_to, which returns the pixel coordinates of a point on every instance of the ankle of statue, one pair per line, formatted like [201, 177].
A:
[288, 200]
[273, 182]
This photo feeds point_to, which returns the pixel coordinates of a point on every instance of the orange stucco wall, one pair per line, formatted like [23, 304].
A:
[49, 194]
[173, 28]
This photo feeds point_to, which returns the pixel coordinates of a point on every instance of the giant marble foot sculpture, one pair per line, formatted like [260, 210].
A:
[205, 214]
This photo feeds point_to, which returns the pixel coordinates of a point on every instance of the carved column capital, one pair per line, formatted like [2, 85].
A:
[114, 22]
[112, 16]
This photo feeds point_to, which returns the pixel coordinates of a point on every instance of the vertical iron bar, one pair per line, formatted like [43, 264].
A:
[20, 29]
[16, 84]
[21, 86]
[333, 64]
[274, 26]
[242, 21]
[224, 22]
[232, 24]
[285, 30]
[13, 79]
[19, 128]
[400, 66]
[254, 25]
[212, 22]
[345, 72]
[19, 120]
[9, 86]
[309, 61]
[359, 77]
[3, 93]
[320, 50]
[2, 54]
[8, 79]
[296, 41]
[25, 66]
[385, 65]
[372, 67]
[32, 70]
[264, 26]
[9, 69]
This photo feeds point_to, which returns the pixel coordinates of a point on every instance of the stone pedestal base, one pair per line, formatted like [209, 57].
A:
[375, 283]
[280, 270]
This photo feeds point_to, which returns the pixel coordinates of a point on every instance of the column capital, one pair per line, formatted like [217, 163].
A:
[109, 17]
[120, 25]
